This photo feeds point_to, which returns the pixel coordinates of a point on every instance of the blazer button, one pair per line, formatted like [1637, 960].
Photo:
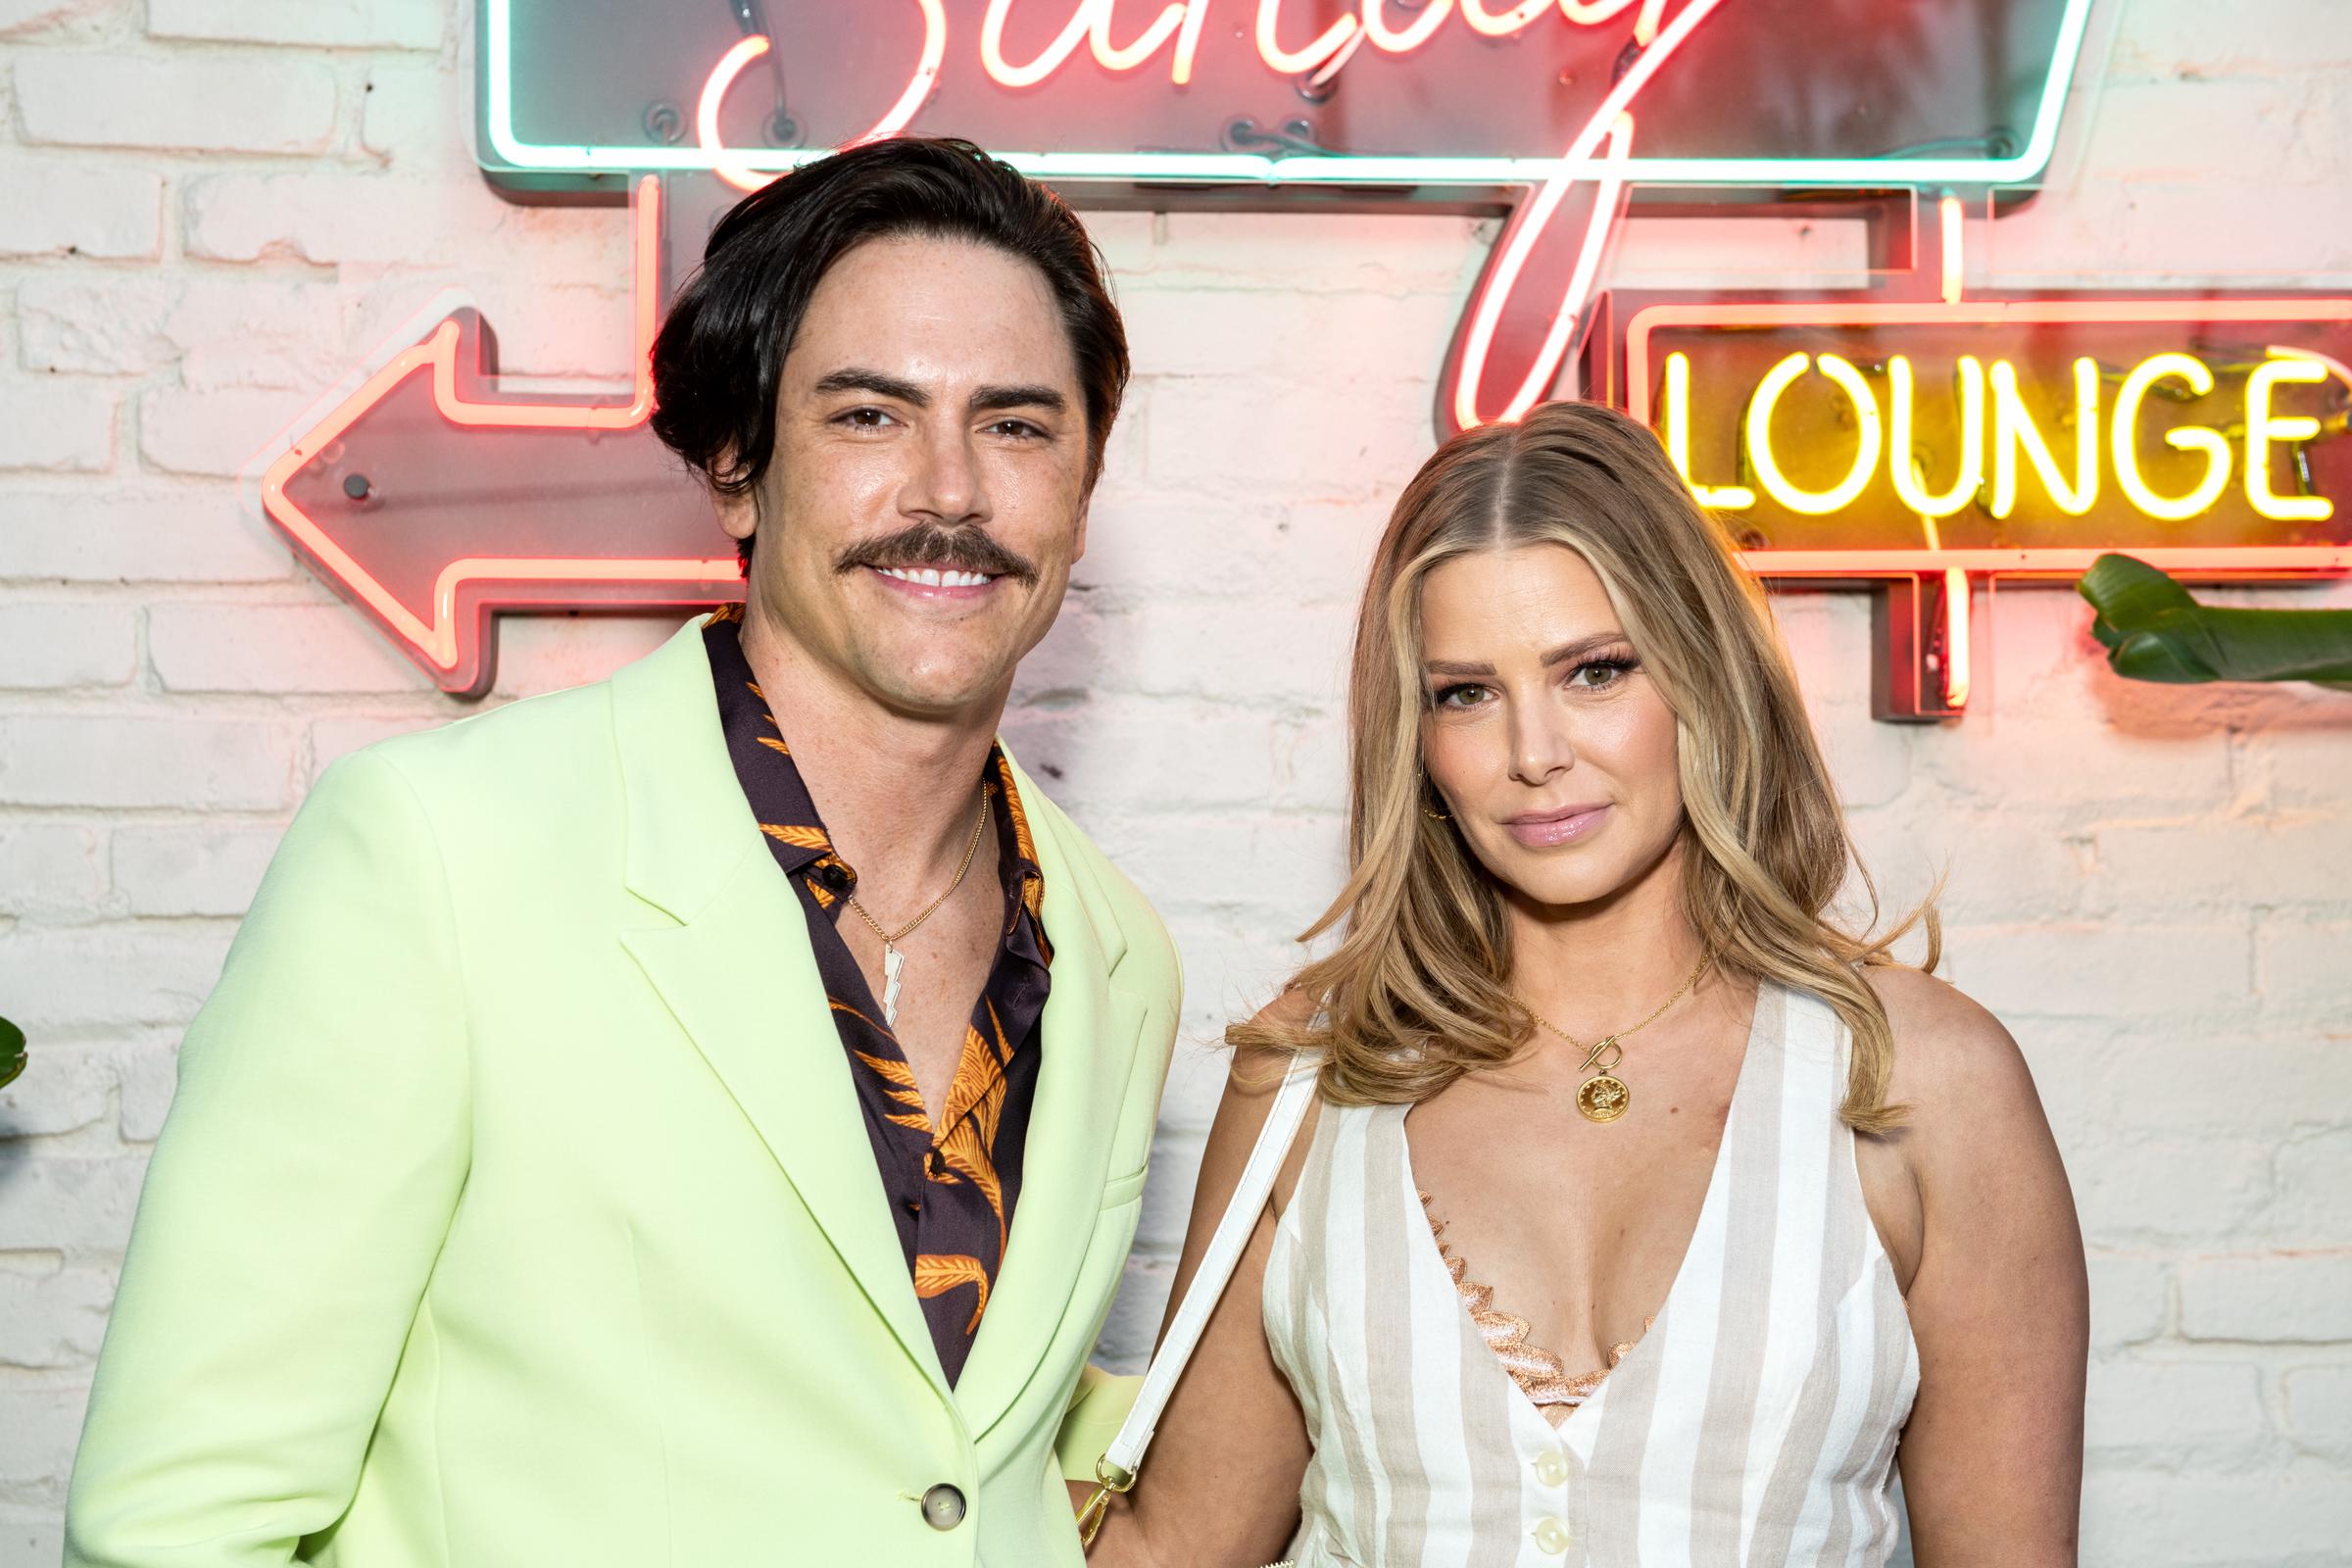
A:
[942, 1507]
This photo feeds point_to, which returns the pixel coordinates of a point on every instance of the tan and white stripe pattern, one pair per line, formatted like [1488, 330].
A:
[1754, 1423]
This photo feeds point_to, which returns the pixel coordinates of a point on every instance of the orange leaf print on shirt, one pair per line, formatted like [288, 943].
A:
[975, 1106]
[979, 1082]
[937, 1275]
[966, 1157]
[1024, 844]
[800, 838]
[901, 1078]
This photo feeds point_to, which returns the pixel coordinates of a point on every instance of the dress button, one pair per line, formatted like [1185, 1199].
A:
[834, 875]
[1551, 1467]
[1551, 1537]
[942, 1507]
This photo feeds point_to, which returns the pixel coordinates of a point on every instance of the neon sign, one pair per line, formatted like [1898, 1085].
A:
[1468, 95]
[1925, 444]
[1554, 109]
[1909, 437]
[421, 492]
[1857, 438]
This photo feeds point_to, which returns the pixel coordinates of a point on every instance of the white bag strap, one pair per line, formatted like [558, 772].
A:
[1126, 1453]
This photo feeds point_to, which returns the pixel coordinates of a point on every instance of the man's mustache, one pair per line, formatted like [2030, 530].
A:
[926, 544]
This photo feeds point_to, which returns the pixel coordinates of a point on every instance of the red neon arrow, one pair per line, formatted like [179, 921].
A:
[431, 499]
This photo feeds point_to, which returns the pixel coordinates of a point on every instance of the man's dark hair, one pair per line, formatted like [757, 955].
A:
[720, 357]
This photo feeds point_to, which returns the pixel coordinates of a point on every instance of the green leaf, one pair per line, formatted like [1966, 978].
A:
[12, 1052]
[2154, 630]
[2129, 591]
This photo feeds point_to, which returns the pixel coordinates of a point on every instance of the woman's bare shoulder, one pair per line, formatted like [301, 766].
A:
[1946, 1043]
[1257, 1072]
[1968, 1090]
[1293, 1009]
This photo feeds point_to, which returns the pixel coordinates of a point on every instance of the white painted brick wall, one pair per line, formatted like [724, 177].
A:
[210, 208]
[62, 208]
[190, 103]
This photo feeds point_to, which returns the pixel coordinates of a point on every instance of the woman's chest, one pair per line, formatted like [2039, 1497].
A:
[1579, 1228]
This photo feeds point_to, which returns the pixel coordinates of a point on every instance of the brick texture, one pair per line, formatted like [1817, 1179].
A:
[273, 648]
[58, 208]
[192, 103]
[212, 210]
[125, 533]
[93, 760]
[53, 643]
[60, 426]
[389, 24]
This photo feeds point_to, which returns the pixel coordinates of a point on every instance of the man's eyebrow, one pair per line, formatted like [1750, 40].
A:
[993, 398]
[856, 379]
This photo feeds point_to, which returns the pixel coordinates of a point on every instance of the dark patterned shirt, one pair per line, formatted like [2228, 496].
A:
[952, 1179]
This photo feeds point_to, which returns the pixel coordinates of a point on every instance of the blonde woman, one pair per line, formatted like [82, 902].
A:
[1646, 1213]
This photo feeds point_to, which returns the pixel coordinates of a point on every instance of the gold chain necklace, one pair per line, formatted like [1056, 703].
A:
[1603, 1097]
[894, 962]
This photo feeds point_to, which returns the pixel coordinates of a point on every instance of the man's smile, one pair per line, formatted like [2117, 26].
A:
[937, 584]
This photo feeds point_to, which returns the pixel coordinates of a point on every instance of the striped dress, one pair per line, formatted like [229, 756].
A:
[1755, 1422]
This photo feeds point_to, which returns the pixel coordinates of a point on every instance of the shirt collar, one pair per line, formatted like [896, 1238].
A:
[779, 797]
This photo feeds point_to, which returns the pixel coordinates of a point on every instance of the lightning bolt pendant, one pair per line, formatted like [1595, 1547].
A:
[893, 970]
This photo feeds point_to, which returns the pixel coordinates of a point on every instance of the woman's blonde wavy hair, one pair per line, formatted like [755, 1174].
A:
[1415, 994]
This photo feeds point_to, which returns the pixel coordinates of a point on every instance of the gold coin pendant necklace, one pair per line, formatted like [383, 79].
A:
[1603, 1097]
[894, 962]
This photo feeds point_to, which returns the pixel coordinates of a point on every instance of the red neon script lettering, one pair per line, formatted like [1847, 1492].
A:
[1612, 121]
[730, 66]
[1607, 133]
[1297, 62]
[1183, 21]
[1402, 41]
[1485, 22]
[1090, 20]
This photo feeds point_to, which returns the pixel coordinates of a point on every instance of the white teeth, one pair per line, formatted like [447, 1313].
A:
[932, 577]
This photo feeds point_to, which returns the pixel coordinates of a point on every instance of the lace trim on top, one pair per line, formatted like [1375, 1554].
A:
[1540, 1374]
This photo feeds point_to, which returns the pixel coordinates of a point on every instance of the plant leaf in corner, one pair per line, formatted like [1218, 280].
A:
[12, 1052]
[2154, 630]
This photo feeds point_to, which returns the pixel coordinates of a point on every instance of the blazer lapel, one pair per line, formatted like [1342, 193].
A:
[1089, 1034]
[734, 966]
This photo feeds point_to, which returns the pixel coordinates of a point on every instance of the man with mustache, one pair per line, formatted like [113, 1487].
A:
[698, 1117]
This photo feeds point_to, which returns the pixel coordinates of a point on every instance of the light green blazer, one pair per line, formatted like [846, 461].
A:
[515, 1207]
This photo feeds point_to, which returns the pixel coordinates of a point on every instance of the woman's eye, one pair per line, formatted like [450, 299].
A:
[1597, 673]
[1458, 696]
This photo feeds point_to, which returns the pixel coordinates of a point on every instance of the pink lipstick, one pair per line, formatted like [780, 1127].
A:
[1543, 830]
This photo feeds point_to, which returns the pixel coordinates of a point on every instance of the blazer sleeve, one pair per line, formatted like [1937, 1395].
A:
[1098, 1408]
[298, 1194]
